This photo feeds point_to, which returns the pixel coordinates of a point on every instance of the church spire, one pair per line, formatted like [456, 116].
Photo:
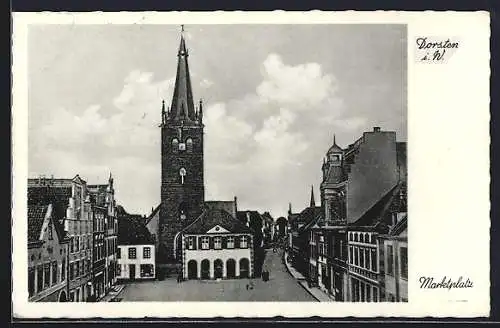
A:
[312, 203]
[182, 101]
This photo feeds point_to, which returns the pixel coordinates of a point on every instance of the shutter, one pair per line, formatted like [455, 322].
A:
[224, 242]
[195, 242]
[236, 241]
[199, 241]
[211, 243]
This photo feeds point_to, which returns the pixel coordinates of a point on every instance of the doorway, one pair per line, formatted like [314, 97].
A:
[131, 270]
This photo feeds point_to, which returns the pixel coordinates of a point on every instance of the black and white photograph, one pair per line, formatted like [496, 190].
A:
[190, 162]
[229, 163]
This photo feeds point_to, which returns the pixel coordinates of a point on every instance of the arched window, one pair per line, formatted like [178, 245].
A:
[367, 238]
[182, 175]
[175, 145]
[362, 238]
[355, 237]
[189, 145]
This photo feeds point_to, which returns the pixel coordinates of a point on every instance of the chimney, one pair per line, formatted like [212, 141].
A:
[376, 129]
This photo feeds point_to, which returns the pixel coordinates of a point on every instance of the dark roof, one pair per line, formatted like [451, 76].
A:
[335, 149]
[44, 195]
[308, 216]
[267, 216]
[335, 175]
[212, 217]
[97, 193]
[318, 215]
[132, 231]
[281, 220]
[36, 216]
[153, 213]
[376, 213]
[400, 226]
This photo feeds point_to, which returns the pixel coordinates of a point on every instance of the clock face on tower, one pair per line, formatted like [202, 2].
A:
[182, 146]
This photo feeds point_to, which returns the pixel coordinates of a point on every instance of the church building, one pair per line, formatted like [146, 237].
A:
[182, 184]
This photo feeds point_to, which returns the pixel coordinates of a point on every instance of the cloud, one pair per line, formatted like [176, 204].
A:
[264, 147]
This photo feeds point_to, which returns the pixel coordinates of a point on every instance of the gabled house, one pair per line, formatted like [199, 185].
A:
[217, 246]
[136, 249]
[47, 255]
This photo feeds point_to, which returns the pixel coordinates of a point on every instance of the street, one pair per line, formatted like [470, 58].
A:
[281, 287]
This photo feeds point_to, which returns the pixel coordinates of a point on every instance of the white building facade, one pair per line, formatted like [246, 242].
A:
[217, 246]
[136, 262]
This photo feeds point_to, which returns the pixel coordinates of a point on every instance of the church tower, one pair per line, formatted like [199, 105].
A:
[182, 183]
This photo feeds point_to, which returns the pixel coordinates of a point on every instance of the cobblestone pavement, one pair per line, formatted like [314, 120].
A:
[280, 287]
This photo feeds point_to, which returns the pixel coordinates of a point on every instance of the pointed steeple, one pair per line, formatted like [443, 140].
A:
[182, 101]
[289, 208]
[312, 203]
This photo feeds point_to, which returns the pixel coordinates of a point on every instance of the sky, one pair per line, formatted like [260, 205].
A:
[274, 96]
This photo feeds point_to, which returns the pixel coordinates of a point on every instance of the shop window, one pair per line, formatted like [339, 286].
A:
[31, 281]
[390, 260]
[147, 270]
[404, 262]
[39, 278]
[54, 272]
[46, 273]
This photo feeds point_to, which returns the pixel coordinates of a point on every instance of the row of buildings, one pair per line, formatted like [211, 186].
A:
[80, 243]
[353, 246]
[72, 239]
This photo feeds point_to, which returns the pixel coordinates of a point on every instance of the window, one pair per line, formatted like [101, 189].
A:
[54, 272]
[217, 242]
[362, 257]
[375, 294]
[404, 262]
[390, 260]
[230, 242]
[175, 145]
[132, 253]
[374, 260]
[243, 242]
[31, 281]
[119, 253]
[77, 268]
[205, 243]
[71, 271]
[50, 231]
[146, 252]
[356, 256]
[350, 236]
[46, 273]
[350, 254]
[63, 270]
[355, 237]
[182, 174]
[361, 238]
[189, 145]
[367, 238]
[39, 278]
[82, 267]
[147, 270]
[77, 243]
[72, 245]
[118, 270]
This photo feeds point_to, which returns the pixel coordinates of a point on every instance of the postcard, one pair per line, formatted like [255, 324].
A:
[250, 164]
